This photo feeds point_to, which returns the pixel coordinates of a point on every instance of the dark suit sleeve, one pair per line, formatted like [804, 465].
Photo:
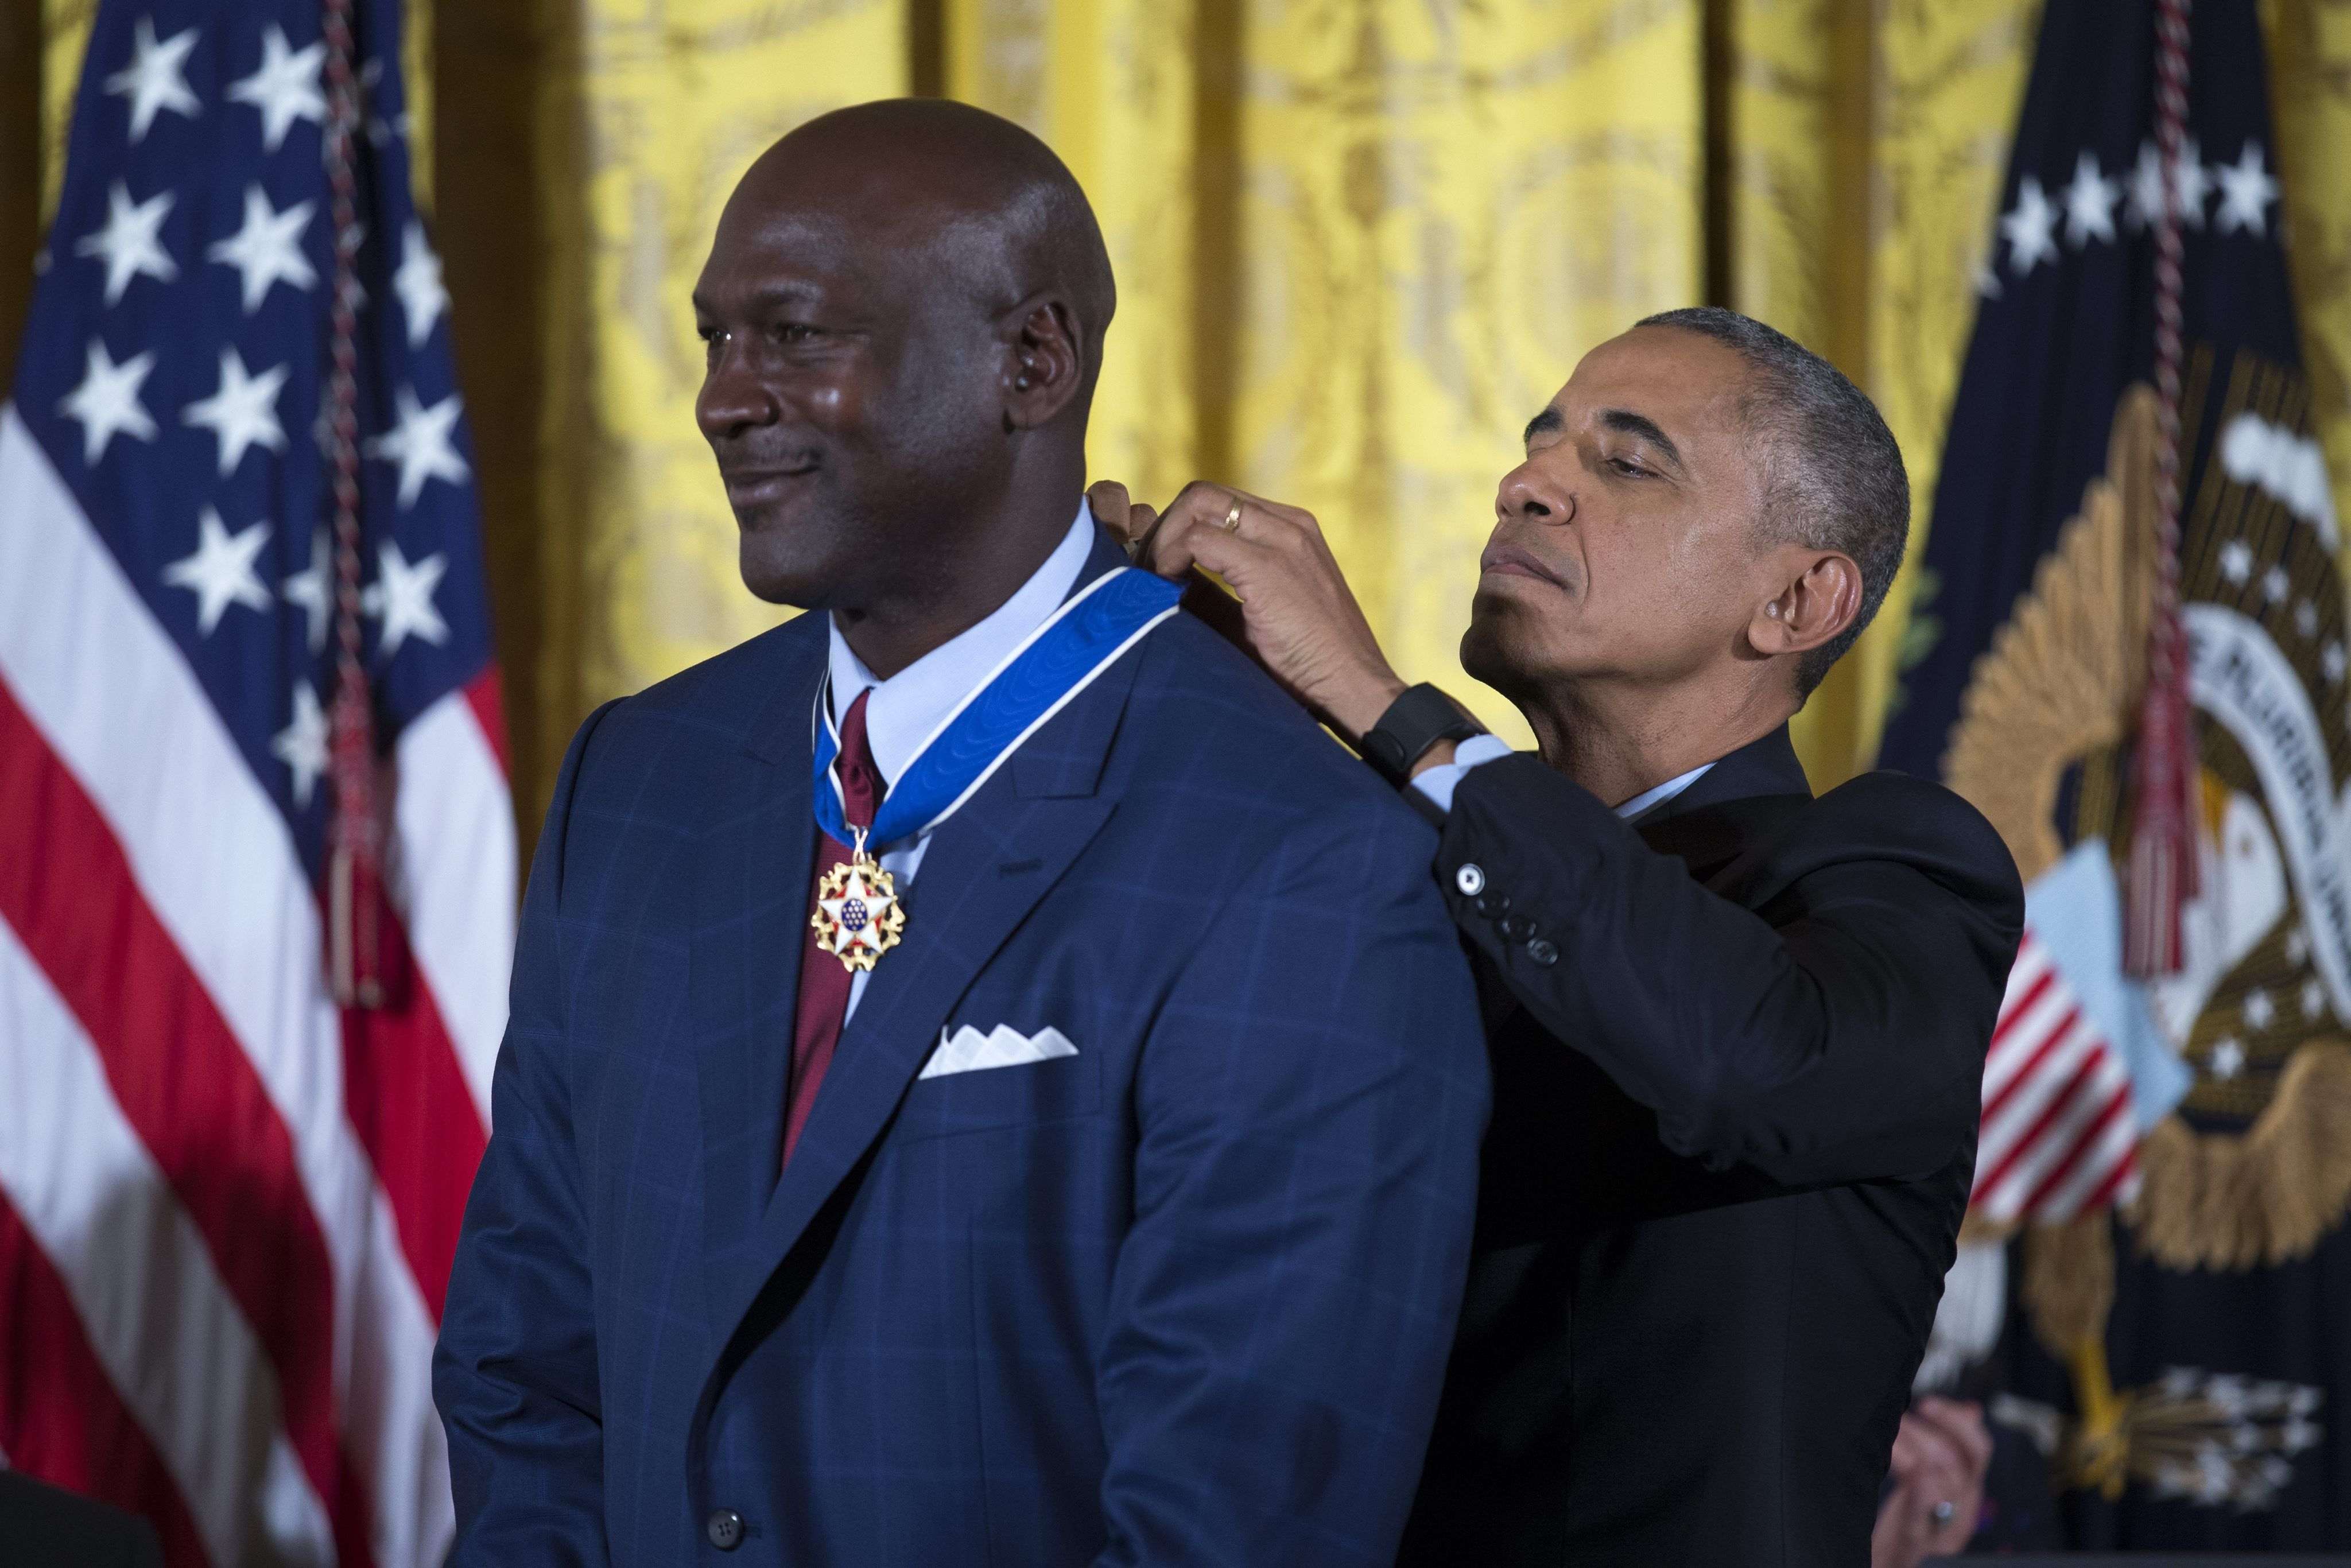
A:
[515, 1372]
[1842, 1039]
[40, 1524]
[1309, 1104]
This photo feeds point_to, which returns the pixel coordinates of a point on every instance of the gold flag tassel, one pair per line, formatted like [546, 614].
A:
[354, 949]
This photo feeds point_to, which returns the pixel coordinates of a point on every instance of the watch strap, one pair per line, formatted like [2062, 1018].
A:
[1422, 716]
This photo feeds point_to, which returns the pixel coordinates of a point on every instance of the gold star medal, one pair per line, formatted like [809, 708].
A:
[858, 918]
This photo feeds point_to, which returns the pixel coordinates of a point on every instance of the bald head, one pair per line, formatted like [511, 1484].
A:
[986, 203]
[905, 305]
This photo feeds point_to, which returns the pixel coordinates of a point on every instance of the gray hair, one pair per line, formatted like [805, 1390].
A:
[1834, 478]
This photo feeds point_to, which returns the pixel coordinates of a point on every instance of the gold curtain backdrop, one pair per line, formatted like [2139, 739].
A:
[1358, 242]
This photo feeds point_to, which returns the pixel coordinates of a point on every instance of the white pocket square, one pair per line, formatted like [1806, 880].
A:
[968, 1050]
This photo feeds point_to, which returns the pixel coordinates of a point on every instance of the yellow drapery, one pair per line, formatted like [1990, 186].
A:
[1358, 242]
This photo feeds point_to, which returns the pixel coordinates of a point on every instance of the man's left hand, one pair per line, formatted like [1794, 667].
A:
[1941, 1456]
[1297, 616]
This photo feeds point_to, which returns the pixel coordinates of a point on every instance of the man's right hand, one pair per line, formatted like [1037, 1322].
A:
[1289, 608]
[1131, 524]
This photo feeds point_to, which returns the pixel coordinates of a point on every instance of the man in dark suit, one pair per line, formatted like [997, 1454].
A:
[1083, 1169]
[1738, 1033]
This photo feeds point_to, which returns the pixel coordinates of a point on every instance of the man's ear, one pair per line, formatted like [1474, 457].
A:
[1820, 598]
[1043, 362]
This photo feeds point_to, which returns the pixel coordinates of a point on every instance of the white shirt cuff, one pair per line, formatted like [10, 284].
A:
[1437, 784]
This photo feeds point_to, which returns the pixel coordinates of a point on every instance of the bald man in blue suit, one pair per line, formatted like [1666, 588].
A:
[1082, 1169]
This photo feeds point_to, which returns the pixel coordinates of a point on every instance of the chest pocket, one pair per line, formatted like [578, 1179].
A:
[1019, 1093]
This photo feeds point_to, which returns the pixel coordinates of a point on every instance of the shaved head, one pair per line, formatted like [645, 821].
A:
[904, 308]
[994, 210]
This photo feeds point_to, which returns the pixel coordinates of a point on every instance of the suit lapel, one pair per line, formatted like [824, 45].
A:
[984, 871]
[744, 968]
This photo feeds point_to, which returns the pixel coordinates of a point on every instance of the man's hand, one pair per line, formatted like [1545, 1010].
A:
[1296, 614]
[1940, 1455]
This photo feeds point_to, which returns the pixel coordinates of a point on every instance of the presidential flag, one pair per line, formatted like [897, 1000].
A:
[257, 848]
[2135, 665]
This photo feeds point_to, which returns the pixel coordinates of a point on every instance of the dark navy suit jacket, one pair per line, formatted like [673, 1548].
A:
[1738, 1084]
[1182, 1297]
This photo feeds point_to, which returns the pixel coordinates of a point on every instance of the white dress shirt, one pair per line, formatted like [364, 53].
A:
[1437, 785]
[904, 709]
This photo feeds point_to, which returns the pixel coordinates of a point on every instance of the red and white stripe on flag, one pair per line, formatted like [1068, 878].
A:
[2059, 1137]
[228, 1207]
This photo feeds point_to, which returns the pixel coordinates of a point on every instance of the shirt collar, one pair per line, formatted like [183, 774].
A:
[1649, 801]
[1765, 766]
[906, 707]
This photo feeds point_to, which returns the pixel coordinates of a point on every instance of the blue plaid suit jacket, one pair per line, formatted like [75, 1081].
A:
[1185, 1297]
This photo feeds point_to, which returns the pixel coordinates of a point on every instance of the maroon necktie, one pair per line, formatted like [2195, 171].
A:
[824, 979]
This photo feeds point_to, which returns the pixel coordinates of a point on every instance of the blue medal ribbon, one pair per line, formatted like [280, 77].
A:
[1081, 638]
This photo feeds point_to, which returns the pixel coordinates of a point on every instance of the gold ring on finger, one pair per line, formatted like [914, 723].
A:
[1232, 523]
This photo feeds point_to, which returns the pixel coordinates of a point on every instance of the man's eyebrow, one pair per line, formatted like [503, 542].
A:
[766, 296]
[1542, 424]
[1641, 427]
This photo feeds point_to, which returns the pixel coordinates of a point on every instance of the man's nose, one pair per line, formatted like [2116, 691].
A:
[732, 399]
[1527, 492]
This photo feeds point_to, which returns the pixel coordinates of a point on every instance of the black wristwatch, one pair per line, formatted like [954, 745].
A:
[1421, 717]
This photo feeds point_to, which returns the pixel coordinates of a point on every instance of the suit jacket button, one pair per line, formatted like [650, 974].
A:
[1543, 951]
[725, 1528]
[1470, 879]
[1493, 902]
[1516, 927]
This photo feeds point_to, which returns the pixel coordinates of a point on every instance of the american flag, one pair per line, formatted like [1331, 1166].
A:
[2059, 1135]
[228, 1205]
